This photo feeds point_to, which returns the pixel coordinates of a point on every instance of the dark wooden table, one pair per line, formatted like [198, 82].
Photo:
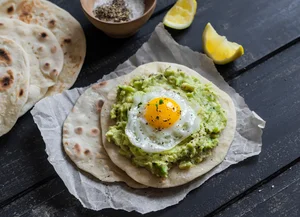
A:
[267, 76]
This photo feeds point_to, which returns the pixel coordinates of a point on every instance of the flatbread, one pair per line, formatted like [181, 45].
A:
[63, 25]
[45, 56]
[14, 83]
[176, 176]
[82, 138]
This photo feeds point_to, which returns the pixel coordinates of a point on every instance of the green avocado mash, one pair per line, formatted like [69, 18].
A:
[193, 149]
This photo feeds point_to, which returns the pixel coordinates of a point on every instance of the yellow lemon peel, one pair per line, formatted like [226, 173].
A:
[181, 15]
[219, 48]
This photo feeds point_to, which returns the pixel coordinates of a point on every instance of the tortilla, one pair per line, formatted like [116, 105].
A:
[82, 138]
[65, 27]
[176, 176]
[44, 53]
[14, 83]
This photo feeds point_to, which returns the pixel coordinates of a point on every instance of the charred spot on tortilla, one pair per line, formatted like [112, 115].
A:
[99, 105]
[65, 131]
[76, 66]
[95, 132]
[77, 148]
[26, 9]
[40, 49]
[95, 86]
[53, 49]
[5, 57]
[51, 23]
[1, 24]
[25, 13]
[54, 73]
[43, 35]
[46, 66]
[103, 83]
[21, 93]
[99, 85]
[78, 130]
[10, 73]
[5, 83]
[67, 41]
[10, 9]
[87, 152]
[25, 17]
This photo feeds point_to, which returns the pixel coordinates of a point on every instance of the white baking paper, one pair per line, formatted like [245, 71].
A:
[50, 113]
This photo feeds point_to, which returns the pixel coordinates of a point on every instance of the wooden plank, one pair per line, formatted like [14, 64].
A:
[52, 199]
[22, 147]
[272, 90]
[260, 26]
[279, 197]
[23, 161]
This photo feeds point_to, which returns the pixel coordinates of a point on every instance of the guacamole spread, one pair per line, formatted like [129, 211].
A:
[187, 153]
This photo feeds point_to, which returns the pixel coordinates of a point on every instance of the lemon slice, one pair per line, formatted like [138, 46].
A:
[219, 48]
[181, 15]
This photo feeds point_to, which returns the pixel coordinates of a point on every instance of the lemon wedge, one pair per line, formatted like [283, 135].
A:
[219, 48]
[181, 15]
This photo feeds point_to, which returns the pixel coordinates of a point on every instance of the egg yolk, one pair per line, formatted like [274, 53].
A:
[162, 113]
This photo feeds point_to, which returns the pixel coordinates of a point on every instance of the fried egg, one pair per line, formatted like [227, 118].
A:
[160, 119]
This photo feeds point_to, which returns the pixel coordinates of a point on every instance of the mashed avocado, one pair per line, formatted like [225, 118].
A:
[187, 153]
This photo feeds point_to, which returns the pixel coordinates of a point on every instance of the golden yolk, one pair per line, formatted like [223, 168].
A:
[162, 113]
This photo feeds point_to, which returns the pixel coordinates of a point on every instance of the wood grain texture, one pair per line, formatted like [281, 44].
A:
[260, 26]
[272, 90]
[22, 147]
[279, 197]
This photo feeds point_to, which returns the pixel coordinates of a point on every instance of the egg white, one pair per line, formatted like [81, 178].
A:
[146, 137]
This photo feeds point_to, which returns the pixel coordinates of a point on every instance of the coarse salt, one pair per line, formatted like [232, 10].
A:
[136, 7]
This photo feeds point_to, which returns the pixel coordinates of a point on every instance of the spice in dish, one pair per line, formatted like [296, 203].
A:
[118, 10]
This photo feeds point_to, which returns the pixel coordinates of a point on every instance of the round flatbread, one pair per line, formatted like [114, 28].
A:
[14, 83]
[45, 56]
[64, 26]
[82, 138]
[176, 176]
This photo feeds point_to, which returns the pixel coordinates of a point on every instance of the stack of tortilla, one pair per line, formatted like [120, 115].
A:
[42, 50]
[85, 142]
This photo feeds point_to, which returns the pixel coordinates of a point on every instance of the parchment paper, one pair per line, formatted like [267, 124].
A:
[50, 113]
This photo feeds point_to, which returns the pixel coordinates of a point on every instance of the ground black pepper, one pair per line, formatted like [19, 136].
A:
[116, 12]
